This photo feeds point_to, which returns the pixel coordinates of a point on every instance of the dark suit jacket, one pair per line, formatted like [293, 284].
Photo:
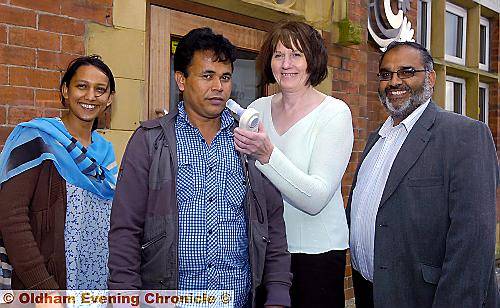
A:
[435, 227]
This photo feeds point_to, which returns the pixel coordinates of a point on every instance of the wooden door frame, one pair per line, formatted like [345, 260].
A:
[165, 22]
[214, 13]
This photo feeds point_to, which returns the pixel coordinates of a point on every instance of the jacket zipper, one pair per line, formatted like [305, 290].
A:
[248, 205]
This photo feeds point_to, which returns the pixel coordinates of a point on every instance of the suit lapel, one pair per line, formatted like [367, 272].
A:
[410, 151]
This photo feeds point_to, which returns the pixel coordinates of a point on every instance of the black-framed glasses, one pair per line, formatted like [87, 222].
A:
[402, 73]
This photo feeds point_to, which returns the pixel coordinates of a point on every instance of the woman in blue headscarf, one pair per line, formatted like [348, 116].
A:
[57, 178]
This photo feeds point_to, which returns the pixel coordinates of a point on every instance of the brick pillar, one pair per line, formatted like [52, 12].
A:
[350, 83]
[494, 103]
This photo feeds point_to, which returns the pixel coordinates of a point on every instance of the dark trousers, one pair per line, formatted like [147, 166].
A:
[318, 279]
[363, 290]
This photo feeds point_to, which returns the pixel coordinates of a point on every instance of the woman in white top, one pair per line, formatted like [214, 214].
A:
[303, 146]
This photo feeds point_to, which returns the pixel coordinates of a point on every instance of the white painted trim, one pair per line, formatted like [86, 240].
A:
[486, 99]
[419, 20]
[457, 10]
[449, 104]
[485, 22]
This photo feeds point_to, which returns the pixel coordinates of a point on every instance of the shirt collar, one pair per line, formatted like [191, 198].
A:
[407, 123]
[226, 119]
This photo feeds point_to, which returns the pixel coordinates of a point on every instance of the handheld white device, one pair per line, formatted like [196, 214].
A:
[249, 118]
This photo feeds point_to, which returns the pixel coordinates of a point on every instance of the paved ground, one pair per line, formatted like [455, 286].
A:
[350, 303]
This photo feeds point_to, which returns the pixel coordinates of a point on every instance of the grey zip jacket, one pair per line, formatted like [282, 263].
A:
[144, 233]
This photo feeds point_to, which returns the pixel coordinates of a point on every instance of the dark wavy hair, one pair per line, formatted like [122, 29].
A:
[202, 39]
[306, 39]
[93, 60]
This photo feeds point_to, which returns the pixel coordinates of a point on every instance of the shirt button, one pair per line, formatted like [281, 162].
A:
[383, 267]
[209, 265]
[210, 199]
[210, 169]
[210, 232]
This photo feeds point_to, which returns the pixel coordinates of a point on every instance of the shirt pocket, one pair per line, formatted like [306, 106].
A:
[185, 183]
[235, 187]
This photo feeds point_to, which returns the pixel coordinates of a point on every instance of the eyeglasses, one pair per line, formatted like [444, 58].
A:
[403, 73]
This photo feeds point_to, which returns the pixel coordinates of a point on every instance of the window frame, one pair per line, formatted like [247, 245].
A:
[428, 25]
[486, 100]
[483, 21]
[462, 82]
[461, 12]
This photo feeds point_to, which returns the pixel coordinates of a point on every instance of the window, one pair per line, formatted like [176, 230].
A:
[483, 102]
[456, 21]
[484, 43]
[424, 23]
[455, 94]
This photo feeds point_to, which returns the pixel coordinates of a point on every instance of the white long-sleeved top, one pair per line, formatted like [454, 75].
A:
[307, 165]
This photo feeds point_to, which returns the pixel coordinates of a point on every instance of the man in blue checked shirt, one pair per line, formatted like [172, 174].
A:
[189, 212]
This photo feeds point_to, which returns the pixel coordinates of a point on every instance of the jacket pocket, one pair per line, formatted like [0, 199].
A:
[258, 256]
[425, 182]
[153, 241]
[430, 273]
[154, 259]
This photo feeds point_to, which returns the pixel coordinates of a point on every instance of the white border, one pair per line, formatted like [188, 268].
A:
[419, 20]
[455, 9]
[485, 22]
[449, 104]
[486, 99]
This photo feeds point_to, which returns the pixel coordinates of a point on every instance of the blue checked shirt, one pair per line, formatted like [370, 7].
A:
[213, 240]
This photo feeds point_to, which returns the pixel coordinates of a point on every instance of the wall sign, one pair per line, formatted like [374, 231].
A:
[384, 26]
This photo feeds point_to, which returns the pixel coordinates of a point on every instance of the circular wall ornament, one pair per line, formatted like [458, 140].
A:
[284, 3]
[384, 26]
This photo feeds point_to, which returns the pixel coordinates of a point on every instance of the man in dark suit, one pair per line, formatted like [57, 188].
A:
[422, 205]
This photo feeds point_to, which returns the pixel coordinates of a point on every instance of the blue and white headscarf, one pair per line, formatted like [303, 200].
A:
[93, 168]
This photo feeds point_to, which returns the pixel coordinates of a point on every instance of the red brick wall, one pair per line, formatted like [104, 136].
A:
[494, 106]
[37, 40]
[351, 83]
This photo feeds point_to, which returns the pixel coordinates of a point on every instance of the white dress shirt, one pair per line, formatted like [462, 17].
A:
[370, 184]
